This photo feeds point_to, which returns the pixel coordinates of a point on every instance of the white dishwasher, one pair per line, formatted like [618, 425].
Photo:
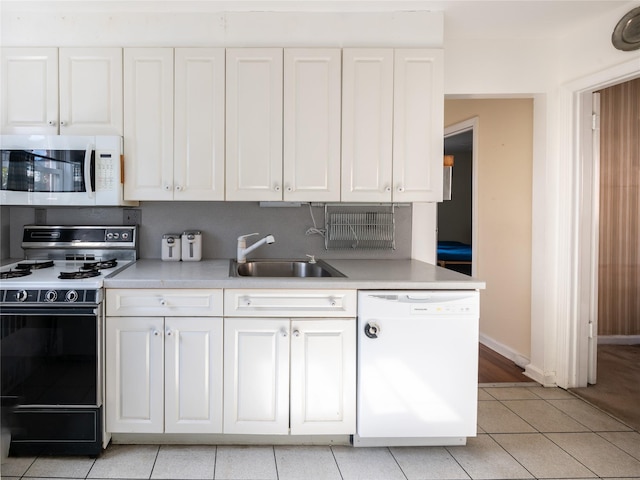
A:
[417, 368]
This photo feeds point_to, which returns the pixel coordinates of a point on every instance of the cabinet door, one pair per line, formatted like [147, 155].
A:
[323, 376]
[256, 376]
[254, 124]
[193, 375]
[148, 123]
[91, 91]
[134, 371]
[199, 124]
[312, 106]
[418, 125]
[367, 124]
[29, 95]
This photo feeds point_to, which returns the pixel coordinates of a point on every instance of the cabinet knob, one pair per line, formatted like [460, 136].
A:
[51, 123]
[387, 189]
[332, 301]
[296, 333]
[163, 302]
[289, 189]
[178, 188]
[277, 188]
[167, 187]
[62, 123]
[400, 189]
[284, 332]
[168, 332]
[156, 333]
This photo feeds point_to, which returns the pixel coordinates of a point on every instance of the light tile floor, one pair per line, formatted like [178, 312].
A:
[524, 432]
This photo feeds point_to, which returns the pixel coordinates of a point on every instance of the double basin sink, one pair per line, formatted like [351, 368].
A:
[282, 268]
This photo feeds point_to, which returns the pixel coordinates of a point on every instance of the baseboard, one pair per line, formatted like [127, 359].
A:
[505, 351]
[618, 339]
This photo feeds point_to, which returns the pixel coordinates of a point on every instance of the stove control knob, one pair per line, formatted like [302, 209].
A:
[71, 296]
[50, 296]
[21, 295]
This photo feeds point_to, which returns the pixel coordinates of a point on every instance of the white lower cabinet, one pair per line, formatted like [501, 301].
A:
[163, 373]
[289, 375]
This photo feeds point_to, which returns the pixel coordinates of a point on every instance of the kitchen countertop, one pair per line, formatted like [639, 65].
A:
[360, 274]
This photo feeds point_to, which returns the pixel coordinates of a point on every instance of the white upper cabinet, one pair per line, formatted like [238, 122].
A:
[148, 123]
[312, 104]
[392, 131]
[72, 91]
[199, 124]
[418, 122]
[174, 123]
[367, 124]
[254, 124]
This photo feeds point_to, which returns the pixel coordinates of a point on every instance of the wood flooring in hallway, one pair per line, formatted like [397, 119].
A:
[494, 368]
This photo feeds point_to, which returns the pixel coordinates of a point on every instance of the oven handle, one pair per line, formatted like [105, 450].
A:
[73, 311]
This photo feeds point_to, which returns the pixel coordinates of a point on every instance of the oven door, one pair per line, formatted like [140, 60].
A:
[51, 356]
[51, 376]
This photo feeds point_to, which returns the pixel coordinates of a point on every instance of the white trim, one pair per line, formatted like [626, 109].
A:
[505, 351]
[618, 340]
[573, 309]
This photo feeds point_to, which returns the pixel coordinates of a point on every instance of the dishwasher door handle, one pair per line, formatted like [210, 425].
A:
[372, 330]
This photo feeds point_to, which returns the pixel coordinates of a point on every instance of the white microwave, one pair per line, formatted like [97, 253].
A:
[61, 170]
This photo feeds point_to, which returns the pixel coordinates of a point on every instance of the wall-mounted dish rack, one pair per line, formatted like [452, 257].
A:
[360, 227]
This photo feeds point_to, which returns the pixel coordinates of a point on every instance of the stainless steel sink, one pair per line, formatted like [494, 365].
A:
[282, 268]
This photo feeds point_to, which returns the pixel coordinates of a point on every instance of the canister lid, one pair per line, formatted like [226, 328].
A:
[191, 232]
[171, 235]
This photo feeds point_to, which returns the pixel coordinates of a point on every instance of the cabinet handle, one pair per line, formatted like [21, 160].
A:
[62, 123]
[168, 332]
[289, 189]
[167, 187]
[400, 189]
[178, 188]
[387, 189]
[332, 301]
[156, 333]
[163, 302]
[284, 332]
[277, 188]
[296, 333]
[51, 123]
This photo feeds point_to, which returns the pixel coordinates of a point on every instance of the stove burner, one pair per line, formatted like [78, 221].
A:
[103, 264]
[21, 272]
[35, 265]
[79, 274]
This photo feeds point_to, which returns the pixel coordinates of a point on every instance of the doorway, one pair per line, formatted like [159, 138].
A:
[457, 231]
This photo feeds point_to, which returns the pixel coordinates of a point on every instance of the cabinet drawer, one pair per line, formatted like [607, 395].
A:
[164, 302]
[289, 303]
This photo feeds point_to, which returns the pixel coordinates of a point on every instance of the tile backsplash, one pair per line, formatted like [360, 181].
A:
[220, 223]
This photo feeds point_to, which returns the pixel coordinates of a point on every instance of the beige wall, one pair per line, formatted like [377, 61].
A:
[505, 154]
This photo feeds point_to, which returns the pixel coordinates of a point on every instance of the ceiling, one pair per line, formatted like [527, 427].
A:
[463, 19]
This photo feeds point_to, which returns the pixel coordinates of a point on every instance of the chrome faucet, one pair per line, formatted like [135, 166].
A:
[243, 250]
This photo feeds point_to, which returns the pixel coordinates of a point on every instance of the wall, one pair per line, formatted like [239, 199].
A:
[505, 146]
[220, 223]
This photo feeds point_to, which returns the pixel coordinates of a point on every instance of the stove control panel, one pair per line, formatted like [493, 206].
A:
[48, 296]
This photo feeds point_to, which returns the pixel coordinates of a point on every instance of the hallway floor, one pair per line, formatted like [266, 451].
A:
[524, 432]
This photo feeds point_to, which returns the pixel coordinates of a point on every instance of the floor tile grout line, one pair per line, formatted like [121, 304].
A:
[336, 460]
[456, 460]
[514, 458]
[616, 446]
[397, 463]
[275, 461]
[155, 460]
[215, 462]
[569, 453]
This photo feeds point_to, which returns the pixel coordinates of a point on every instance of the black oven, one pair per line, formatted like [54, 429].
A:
[51, 378]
